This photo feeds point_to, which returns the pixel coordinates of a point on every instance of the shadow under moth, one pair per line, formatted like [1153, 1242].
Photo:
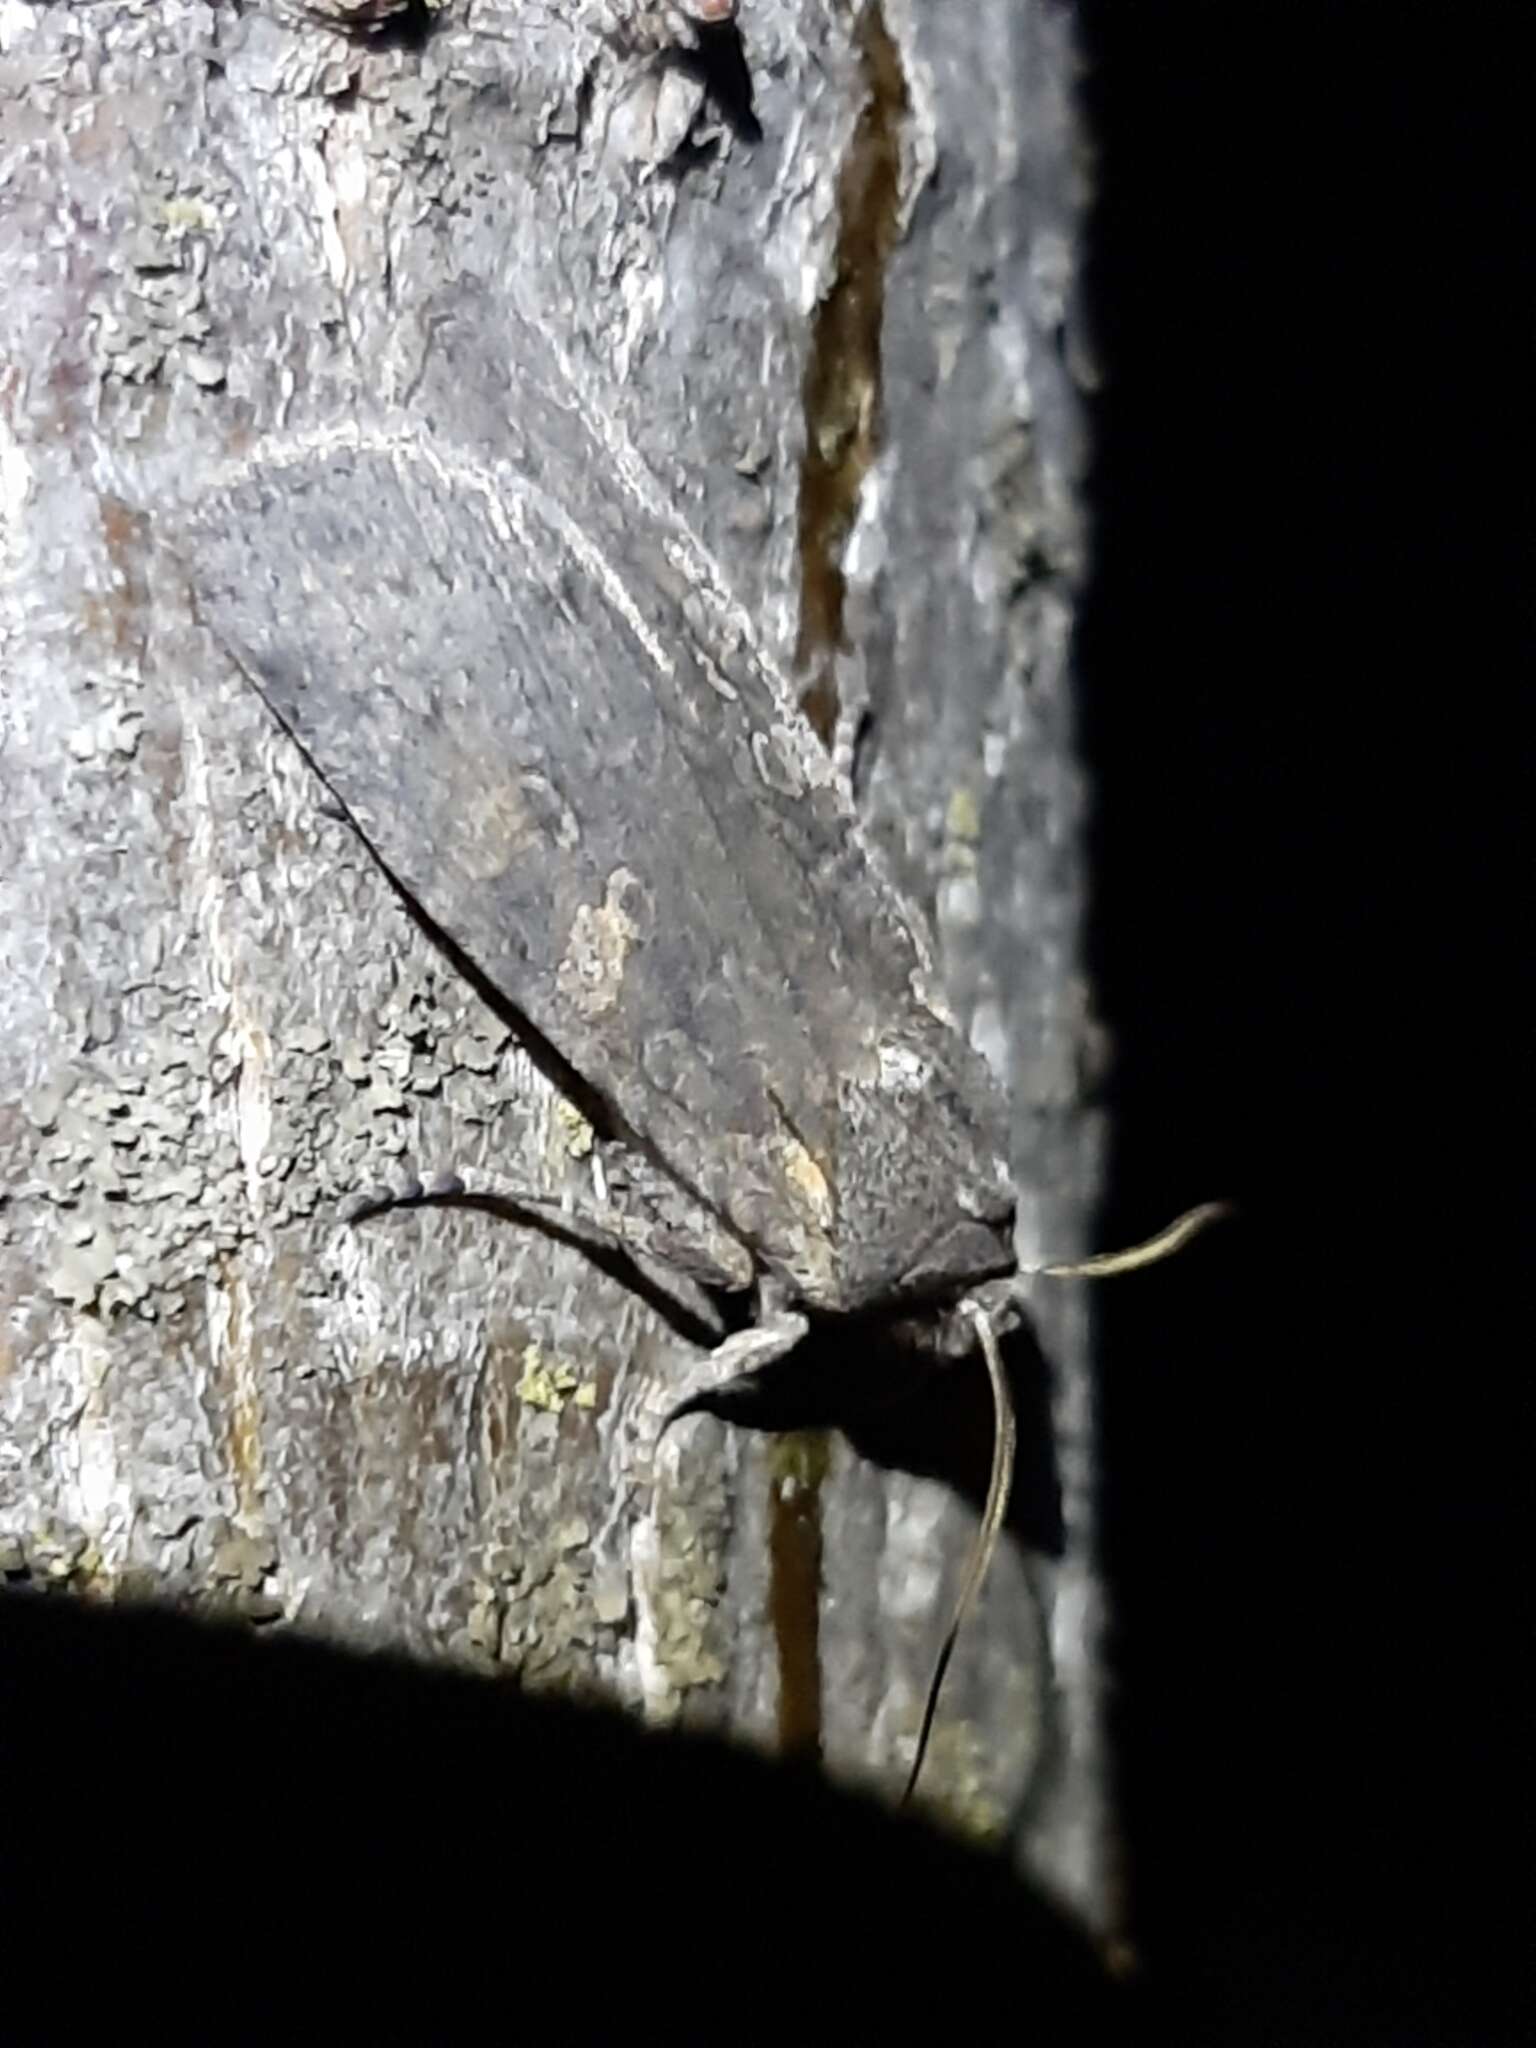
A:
[559, 735]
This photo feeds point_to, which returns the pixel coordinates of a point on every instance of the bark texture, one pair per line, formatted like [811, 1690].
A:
[810, 276]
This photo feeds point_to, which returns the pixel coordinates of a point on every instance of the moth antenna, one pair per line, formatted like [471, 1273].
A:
[999, 1486]
[1148, 1253]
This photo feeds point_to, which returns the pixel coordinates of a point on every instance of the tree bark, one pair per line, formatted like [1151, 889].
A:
[813, 273]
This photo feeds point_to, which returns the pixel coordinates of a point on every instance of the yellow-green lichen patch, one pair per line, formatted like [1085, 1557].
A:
[962, 817]
[55, 1554]
[959, 1792]
[575, 1133]
[686, 1595]
[185, 213]
[550, 1384]
[973, 1775]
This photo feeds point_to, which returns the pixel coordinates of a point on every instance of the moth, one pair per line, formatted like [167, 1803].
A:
[560, 736]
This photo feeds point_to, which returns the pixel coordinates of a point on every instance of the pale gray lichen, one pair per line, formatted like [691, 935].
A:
[144, 1183]
[156, 319]
[550, 1628]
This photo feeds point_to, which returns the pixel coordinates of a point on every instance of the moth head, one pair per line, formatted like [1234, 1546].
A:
[924, 1206]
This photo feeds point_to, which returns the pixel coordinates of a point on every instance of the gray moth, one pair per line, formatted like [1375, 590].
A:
[572, 757]
[566, 746]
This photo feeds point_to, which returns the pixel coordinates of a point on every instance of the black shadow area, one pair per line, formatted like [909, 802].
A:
[905, 1413]
[1294, 259]
[210, 1836]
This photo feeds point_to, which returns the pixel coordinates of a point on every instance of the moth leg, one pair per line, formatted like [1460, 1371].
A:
[366, 1202]
[734, 1365]
[716, 1262]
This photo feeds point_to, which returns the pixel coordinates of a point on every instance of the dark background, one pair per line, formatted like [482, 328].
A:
[1308, 434]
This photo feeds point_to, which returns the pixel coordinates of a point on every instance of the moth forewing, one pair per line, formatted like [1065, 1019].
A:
[627, 828]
